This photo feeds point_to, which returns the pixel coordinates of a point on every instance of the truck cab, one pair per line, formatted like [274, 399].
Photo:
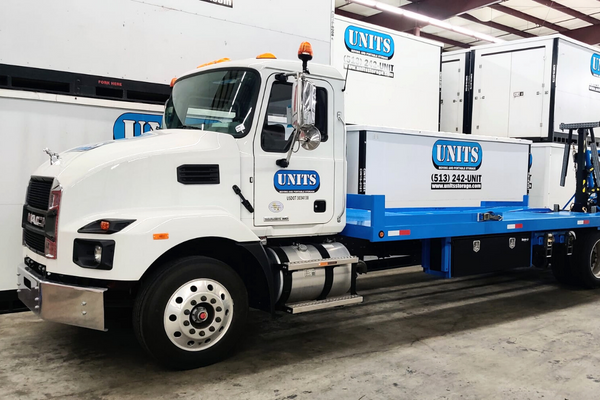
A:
[231, 204]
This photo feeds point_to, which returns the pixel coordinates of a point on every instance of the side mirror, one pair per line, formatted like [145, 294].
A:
[304, 105]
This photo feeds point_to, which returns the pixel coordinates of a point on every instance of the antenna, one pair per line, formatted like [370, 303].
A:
[346, 78]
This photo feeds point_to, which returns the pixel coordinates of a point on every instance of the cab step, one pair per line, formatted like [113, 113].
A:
[306, 306]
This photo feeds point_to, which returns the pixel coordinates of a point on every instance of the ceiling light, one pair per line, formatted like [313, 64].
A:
[423, 18]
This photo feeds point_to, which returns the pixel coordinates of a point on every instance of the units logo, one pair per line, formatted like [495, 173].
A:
[296, 181]
[595, 64]
[369, 43]
[451, 154]
[133, 124]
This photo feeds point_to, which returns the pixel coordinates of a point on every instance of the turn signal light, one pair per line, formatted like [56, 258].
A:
[105, 225]
[266, 56]
[305, 50]
[173, 81]
[160, 236]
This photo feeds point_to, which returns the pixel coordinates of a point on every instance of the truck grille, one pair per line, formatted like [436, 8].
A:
[38, 193]
[34, 241]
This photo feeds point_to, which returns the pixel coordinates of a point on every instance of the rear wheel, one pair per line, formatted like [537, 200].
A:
[588, 260]
[192, 313]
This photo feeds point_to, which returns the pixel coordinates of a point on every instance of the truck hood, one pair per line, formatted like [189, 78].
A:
[79, 162]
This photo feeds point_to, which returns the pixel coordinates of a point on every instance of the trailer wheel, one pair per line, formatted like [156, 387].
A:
[191, 313]
[588, 260]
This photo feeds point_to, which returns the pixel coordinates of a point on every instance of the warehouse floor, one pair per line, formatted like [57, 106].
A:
[516, 335]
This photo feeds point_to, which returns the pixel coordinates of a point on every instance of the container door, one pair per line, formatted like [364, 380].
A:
[491, 99]
[302, 193]
[453, 81]
[527, 93]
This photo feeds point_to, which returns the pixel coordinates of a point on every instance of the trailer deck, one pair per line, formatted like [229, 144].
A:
[367, 218]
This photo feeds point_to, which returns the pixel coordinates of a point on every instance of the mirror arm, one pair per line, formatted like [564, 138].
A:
[285, 162]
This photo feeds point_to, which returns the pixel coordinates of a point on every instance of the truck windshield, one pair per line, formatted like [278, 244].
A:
[220, 100]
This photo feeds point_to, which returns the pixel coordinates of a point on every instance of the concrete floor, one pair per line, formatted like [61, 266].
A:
[516, 335]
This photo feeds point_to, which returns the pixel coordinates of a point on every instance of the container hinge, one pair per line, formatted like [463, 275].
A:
[489, 216]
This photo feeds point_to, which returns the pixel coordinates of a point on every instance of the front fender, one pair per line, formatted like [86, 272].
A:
[135, 246]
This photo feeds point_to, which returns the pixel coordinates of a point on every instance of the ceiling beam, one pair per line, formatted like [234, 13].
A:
[496, 25]
[527, 17]
[588, 34]
[340, 11]
[443, 40]
[568, 10]
[440, 9]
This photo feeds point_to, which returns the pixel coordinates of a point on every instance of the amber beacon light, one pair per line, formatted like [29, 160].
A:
[305, 53]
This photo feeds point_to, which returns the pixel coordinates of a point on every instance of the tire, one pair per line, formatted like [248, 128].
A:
[191, 313]
[588, 260]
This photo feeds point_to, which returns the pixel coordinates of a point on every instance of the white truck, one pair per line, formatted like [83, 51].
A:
[227, 208]
[65, 88]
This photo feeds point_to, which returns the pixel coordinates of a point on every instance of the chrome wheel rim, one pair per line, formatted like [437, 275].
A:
[198, 314]
[595, 260]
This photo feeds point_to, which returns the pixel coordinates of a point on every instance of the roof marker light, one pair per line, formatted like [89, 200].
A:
[266, 56]
[220, 60]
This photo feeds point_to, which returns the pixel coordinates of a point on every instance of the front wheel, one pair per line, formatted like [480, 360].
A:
[191, 313]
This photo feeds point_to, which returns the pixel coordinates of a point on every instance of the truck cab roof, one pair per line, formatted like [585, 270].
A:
[316, 70]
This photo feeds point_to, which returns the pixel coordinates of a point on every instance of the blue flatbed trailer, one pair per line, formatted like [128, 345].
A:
[442, 231]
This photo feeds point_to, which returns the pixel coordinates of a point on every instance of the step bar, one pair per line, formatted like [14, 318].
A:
[306, 306]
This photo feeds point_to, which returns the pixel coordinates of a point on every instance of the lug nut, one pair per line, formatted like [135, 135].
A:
[83, 303]
[192, 331]
[186, 323]
[193, 302]
[84, 312]
[186, 312]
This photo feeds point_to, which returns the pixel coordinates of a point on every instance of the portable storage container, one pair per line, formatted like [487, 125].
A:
[436, 169]
[547, 159]
[521, 89]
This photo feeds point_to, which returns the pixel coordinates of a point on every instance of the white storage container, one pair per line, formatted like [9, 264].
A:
[393, 77]
[547, 159]
[436, 169]
[526, 88]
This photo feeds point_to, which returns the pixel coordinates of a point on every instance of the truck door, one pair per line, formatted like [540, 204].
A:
[302, 193]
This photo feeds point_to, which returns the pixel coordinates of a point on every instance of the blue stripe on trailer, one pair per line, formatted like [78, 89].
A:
[367, 218]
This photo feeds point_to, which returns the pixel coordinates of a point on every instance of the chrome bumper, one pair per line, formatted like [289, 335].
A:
[71, 305]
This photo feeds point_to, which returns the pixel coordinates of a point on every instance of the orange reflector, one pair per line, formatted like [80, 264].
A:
[381, 234]
[160, 236]
[327, 263]
[104, 225]
[305, 48]
[220, 60]
[264, 56]
[173, 81]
